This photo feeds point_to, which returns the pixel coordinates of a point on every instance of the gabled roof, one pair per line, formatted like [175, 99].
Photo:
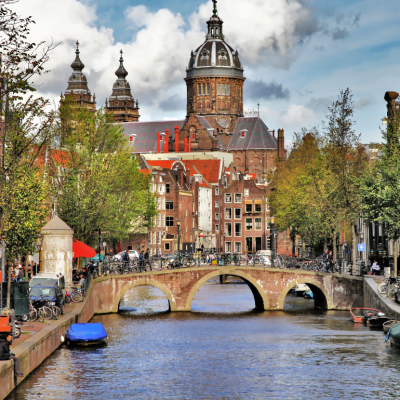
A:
[161, 163]
[210, 169]
[257, 136]
[194, 171]
[207, 126]
[146, 134]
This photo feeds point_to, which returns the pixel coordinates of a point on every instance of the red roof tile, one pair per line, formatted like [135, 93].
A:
[208, 168]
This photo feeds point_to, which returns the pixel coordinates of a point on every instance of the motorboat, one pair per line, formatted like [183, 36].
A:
[358, 314]
[300, 289]
[86, 334]
[388, 324]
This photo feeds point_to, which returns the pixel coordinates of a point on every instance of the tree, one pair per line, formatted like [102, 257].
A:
[96, 181]
[380, 189]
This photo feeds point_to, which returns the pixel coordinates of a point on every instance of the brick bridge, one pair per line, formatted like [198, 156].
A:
[268, 285]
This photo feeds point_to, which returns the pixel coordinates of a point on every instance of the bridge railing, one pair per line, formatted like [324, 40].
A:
[188, 260]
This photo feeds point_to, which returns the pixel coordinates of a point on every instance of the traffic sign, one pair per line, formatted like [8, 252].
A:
[361, 247]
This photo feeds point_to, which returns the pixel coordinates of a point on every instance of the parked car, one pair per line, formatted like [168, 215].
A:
[48, 280]
[132, 255]
[51, 295]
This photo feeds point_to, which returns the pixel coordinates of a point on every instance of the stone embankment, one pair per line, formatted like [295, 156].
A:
[35, 349]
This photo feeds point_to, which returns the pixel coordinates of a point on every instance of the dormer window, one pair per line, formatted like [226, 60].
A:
[243, 133]
[116, 104]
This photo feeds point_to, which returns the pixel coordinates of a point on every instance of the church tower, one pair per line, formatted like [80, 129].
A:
[214, 79]
[77, 89]
[121, 103]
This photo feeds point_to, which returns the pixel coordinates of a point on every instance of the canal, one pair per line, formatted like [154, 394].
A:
[221, 350]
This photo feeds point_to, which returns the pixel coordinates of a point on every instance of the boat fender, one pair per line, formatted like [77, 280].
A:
[387, 336]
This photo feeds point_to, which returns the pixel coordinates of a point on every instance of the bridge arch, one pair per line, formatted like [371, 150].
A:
[260, 297]
[144, 282]
[321, 296]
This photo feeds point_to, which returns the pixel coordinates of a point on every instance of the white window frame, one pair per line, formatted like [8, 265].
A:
[217, 204]
[240, 247]
[226, 213]
[238, 223]
[226, 230]
[255, 224]
[217, 216]
[245, 225]
[226, 196]
[246, 192]
[235, 217]
[240, 196]
[227, 245]
[217, 191]
[216, 227]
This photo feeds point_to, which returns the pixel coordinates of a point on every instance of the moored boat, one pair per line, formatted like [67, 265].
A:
[393, 336]
[388, 324]
[378, 321]
[308, 294]
[86, 334]
[358, 314]
[300, 288]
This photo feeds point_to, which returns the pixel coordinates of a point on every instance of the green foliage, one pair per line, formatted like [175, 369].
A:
[96, 181]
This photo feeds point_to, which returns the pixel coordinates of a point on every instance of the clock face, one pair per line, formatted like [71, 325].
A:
[223, 122]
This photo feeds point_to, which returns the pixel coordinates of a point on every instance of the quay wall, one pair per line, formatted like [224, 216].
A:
[33, 351]
[372, 299]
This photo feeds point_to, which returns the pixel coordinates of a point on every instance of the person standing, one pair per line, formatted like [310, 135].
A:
[330, 262]
[5, 353]
[147, 259]
[325, 259]
[375, 268]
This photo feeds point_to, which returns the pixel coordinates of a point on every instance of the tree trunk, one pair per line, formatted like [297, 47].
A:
[395, 256]
[9, 288]
[354, 244]
[334, 249]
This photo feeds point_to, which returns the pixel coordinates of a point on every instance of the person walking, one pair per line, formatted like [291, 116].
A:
[375, 268]
[5, 353]
[147, 259]
[330, 262]
[325, 259]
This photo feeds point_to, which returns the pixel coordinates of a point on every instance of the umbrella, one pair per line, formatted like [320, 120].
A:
[82, 250]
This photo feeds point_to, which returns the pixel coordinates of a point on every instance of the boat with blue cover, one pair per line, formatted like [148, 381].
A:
[86, 334]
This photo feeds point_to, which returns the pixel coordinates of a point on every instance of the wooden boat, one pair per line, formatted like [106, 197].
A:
[388, 324]
[358, 314]
[378, 321]
[86, 335]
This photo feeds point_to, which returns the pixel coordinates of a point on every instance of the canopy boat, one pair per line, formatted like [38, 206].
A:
[393, 336]
[86, 334]
[388, 324]
[358, 314]
[378, 321]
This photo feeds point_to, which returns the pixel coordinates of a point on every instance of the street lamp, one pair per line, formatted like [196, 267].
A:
[272, 241]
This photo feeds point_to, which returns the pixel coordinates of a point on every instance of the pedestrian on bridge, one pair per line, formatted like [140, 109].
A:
[325, 259]
[330, 262]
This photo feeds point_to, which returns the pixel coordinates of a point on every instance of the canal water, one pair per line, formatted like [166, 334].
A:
[222, 350]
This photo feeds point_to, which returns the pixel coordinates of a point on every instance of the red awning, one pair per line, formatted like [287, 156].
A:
[82, 250]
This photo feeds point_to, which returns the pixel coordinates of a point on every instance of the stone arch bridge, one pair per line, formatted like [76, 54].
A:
[268, 285]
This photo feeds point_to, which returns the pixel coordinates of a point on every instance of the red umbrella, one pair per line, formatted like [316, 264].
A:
[119, 248]
[82, 250]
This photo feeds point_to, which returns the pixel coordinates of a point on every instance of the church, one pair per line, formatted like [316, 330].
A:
[215, 119]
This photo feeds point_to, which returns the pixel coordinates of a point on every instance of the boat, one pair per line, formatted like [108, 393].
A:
[358, 314]
[388, 324]
[378, 321]
[308, 294]
[86, 334]
[300, 289]
[393, 336]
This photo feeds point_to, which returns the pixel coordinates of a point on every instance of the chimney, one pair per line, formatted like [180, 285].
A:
[176, 139]
[166, 141]
[188, 178]
[273, 132]
[180, 177]
[281, 144]
[185, 145]
[390, 98]
[158, 143]
[190, 144]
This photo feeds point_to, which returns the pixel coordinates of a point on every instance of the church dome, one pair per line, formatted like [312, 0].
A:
[214, 57]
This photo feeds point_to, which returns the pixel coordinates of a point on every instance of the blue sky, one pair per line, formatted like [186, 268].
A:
[297, 54]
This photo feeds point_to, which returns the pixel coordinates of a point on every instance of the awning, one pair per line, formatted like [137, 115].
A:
[249, 202]
[82, 250]
[257, 201]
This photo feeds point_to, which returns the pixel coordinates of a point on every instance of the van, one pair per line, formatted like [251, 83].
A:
[48, 280]
[263, 253]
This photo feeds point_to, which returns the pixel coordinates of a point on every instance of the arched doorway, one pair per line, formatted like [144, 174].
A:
[261, 301]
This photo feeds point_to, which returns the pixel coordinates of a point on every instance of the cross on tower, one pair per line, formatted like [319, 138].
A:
[77, 47]
[215, 7]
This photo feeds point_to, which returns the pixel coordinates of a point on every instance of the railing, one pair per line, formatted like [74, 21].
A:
[188, 260]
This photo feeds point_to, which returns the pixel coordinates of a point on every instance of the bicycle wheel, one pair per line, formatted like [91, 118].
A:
[56, 312]
[382, 288]
[76, 296]
[33, 314]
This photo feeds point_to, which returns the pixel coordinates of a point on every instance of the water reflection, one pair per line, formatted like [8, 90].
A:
[222, 350]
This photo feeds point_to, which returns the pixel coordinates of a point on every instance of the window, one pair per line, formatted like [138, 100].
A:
[267, 224]
[170, 221]
[268, 243]
[208, 88]
[216, 228]
[228, 247]
[238, 247]
[170, 204]
[161, 188]
[258, 243]
[159, 203]
[166, 246]
[258, 224]
[238, 198]
[217, 204]
[163, 203]
[267, 205]
[154, 238]
[246, 192]
[228, 229]
[228, 213]
[257, 207]
[216, 191]
[199, 89]
[238, 229]
[249, 244]
[167, 188]
[238, 213]
[249, 207]
[217, 216]
[228, 198]
[218, 88]
[150, 238]
[163, 220]
[158, 237]
[204, 88]
[228, 90]
[158, 220]
[249, 224]
[242, 134]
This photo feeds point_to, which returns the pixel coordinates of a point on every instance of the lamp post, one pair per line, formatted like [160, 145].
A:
[272, 241]
[362, 242]
[178, 228]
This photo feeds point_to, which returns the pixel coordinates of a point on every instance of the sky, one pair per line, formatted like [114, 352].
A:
[297, 54]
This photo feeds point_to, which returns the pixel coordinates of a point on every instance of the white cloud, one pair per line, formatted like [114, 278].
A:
[297, 116]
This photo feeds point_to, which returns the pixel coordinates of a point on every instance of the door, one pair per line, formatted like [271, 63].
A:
[258, 243]
[249, 244]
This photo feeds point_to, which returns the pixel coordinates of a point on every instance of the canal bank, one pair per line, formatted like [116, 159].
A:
[35, 349]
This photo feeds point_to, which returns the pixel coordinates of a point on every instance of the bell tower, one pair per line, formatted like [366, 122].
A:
[121, 103]
[78, 90]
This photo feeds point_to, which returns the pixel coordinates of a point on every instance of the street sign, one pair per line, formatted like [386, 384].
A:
[361, 247]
